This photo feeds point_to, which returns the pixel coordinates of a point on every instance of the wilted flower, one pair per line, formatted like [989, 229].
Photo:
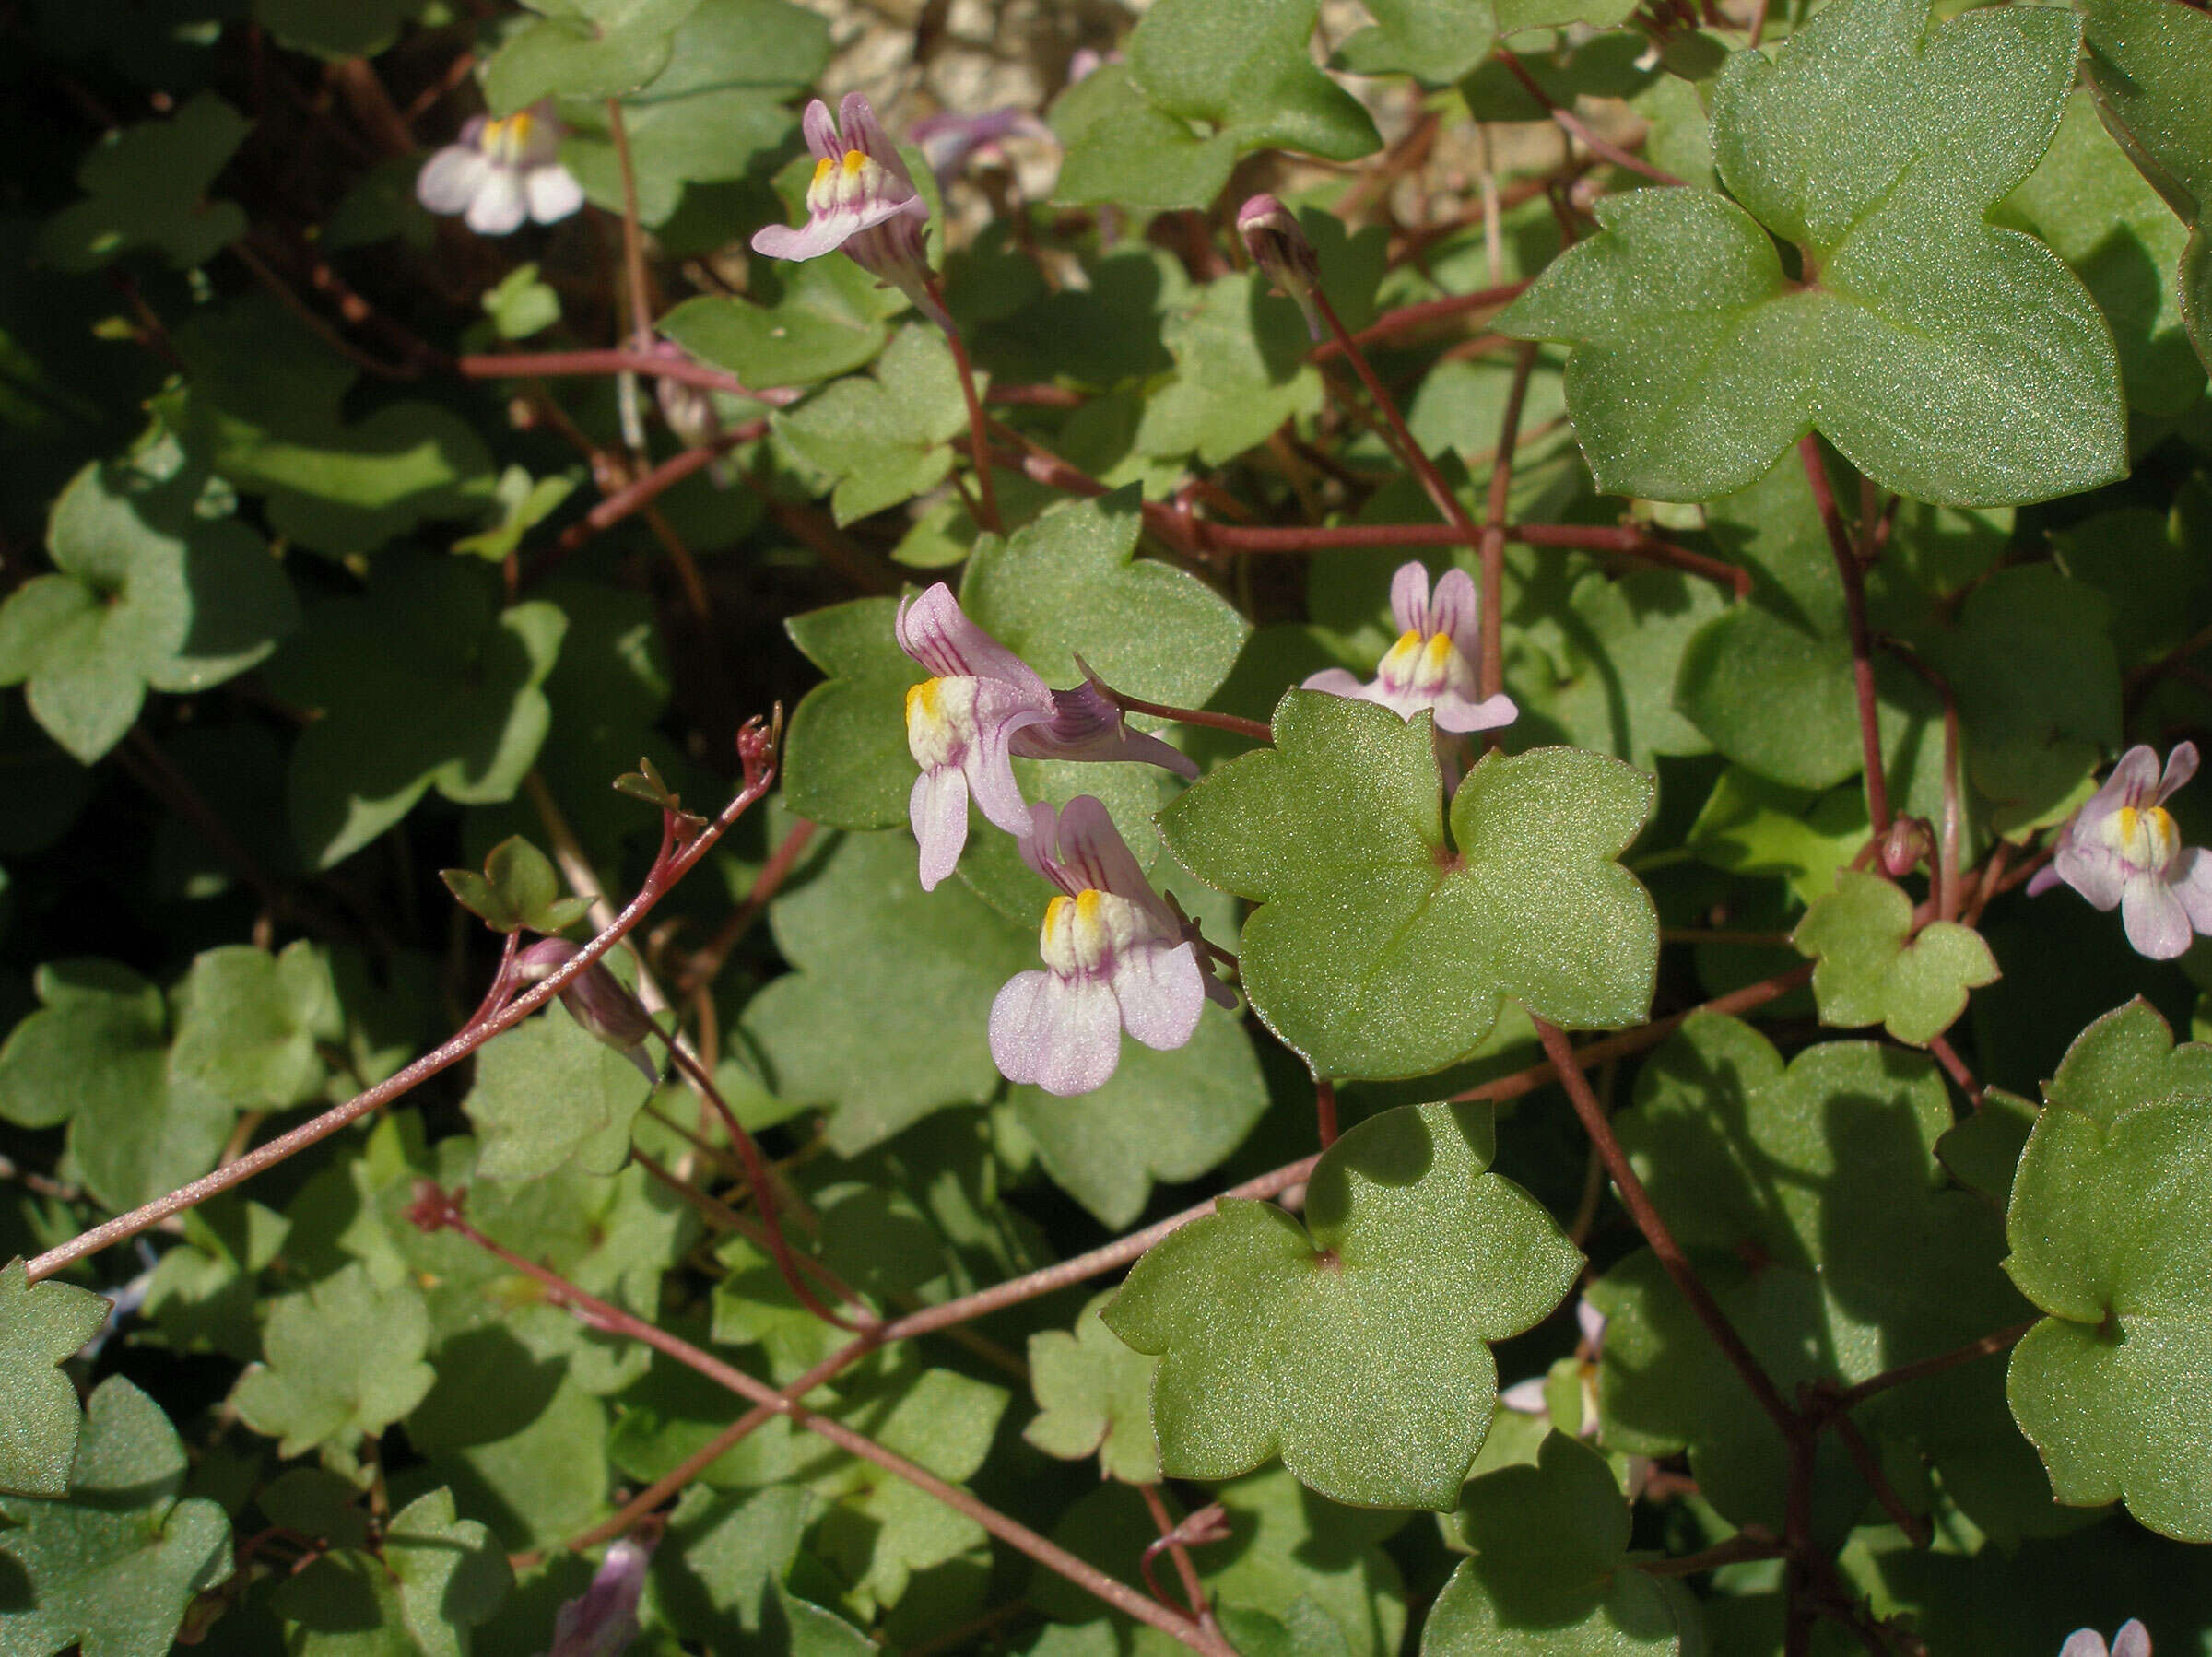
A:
[1116, 957]
[502, 171]
[2122, 848]
[603, 1620]
[948, 140]
[862, 200]
[1279, 248]
[1432, 665]
[983, 706]
[2133, 1641]
[691, 412]
[595, 998]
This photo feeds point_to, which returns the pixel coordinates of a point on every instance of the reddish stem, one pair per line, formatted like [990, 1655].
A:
[1662, 1241]
[755, 745]
[1324, 1110]
[1862, 649]
[1491, 679]
[1439, 493]
[1987, 1346]
[978, 432]
[555, 365]
[1573, 123]
[434, 1209]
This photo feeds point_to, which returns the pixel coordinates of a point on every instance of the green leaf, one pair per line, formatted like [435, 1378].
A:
[2119, 238]
[1946, 360]
[886, 1016]
[1354, 1347]
[584, 49]
[884, 438]
[1872, 968]
[40, 1327]
[518, 890]
[95, 1055]
[2148, 63]
[524, 505]
[1808, 1198]
[1121, 149]
[453, 1573]
[1382, 948]
[1071, 583]
[337, 29]
[845, 759]
[264, 401]
[540, 1483]
[1169, 1116]
[1247, 73]
[520, 304]
[1748, 825]
[148, 186]
[149, 591]
[829, 321]
[1547, 1574]
[2109, 1233]
[250, 1026]
[112, 1569]
[345, 1358]
[1239, 372]
[1094, 1397]
[421, 682]
[547, 1094]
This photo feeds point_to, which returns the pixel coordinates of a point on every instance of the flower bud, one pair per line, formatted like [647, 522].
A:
[603, 1620]
[595, 998]
[1279, 248]
[1909, 842]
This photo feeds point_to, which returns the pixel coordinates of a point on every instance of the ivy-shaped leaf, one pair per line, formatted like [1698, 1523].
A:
[1440, 40]
[845, 759]
[345, 1358]
[1239, 372]
[112, 1569]
[147, 187]
[1247, 72]
[263, 399]
[1123, 149]
[1874, 970]
[1355, 1345]
[252, 1026]
[421, 682]
[1548, 1572]
[2148, 62]
[884, 438]
[584, 49]
[885, 1017]
[1748, 825]
[148, 593]
[2113, 229]
[1946, 360]
[2110, 1224]
[828, 321]
[453, 1573]
[517, 890]
[1382, 948]
[95, 1055]
[1094, 1397]
[41, 1326]
[547, 1094]
[337, 29]
[1809, 1198]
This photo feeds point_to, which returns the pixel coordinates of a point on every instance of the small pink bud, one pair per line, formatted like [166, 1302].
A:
[1279, 248]
[595, 998]
[1909, 842]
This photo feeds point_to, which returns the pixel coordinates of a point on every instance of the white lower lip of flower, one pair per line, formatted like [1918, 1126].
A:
[1084, 934]
[2144, 839]
[940, 721]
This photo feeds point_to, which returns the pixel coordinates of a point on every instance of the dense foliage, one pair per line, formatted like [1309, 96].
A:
[764, 897]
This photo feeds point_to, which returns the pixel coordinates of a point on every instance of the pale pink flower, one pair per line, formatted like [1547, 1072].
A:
[950, 140]
[502, 172]
[603, 1620]
[862, 200]
[2133, 1641]
[2121, 848]
[982, 705]
[1432, 665]
[1116, 957]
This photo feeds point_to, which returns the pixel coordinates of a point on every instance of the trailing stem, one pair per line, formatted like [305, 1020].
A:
[1853, 575]
[1492, 679]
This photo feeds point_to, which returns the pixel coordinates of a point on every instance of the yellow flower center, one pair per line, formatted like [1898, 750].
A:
[2147, 839]
[1082, 934]
[845, 184]
[940, 721]
[505, 140]
[1426, 666]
